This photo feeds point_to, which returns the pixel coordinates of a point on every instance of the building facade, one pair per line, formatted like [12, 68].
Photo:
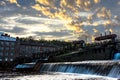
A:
[14, 50]
[35, 50]
[8, 49]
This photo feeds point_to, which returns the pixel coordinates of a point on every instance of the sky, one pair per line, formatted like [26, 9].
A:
[60, 19]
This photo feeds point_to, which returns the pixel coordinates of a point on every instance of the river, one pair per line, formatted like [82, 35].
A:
[83, 70]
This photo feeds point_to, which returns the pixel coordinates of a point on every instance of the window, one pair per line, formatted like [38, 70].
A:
[1, 48]
[7, 48]
[1, 54]
[6, 54]
[2, 43]
[11, 54]
[7, 43]
[6, 59]
[12, 48]
[12, 43]
[0, 59]
[11, 59]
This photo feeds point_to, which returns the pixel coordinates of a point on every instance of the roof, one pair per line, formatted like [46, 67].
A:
[25, 65]
[6, 38]
[111, 36]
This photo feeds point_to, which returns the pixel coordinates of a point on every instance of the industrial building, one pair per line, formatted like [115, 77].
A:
[8, 49]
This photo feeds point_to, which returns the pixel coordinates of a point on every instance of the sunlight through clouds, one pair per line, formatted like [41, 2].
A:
[76, 17]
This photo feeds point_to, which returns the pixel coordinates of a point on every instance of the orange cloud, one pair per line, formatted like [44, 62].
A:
[69, 10]
[107, 23]
[84, 4]
[50, 3]
[93, 38]
[67, 3]
[13, 1]
[62, 14]
[104, 13]
[45, 10]
[95, 30]
[111, 30]
[96, 1]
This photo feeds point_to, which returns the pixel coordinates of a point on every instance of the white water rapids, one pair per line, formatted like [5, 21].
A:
[60, 76]
[84, 70]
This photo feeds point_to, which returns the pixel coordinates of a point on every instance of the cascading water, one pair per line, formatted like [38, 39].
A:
[104, 68]
[85, 70]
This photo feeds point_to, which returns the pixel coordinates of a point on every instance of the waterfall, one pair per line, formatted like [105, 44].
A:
[104, 68]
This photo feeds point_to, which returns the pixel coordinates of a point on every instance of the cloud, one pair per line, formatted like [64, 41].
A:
[96, 1]
[119, 3]
[13, 30]
[95, 30]
[104, 13]
[2, 21]
[18, 30]
[44, 10]
[77, 16]
[54, 33]
[2, 3]
[64, 11]
[26, 21]
[50, 3]
[13, 1]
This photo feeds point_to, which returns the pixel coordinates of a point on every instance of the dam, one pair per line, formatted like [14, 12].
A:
[81, 70]
[102, 68]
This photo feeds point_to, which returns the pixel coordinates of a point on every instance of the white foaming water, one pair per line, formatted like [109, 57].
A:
[85, 70]
[108, 68]
[60, 76]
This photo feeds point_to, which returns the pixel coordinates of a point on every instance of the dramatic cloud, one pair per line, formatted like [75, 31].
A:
[70, 10]
[64, 11]
[79, 17]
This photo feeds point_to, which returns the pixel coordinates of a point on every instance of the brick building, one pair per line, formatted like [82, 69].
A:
[8, 49]
[14, 49]
[35, 49]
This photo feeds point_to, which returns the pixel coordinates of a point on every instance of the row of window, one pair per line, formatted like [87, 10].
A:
[35, 49]
[6, 48]
[7, 54]
[6, 59]
[7, 43]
